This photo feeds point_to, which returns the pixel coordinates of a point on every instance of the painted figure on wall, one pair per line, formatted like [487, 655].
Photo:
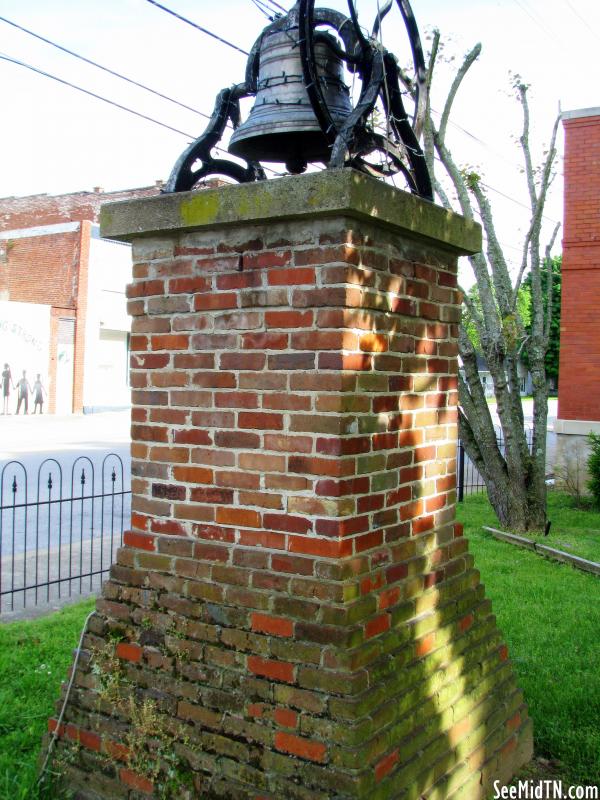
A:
[24, 390]
[7, 382]
[38, 394]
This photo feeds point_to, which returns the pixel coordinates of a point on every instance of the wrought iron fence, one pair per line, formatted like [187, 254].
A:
[468, 478]
[59, 534]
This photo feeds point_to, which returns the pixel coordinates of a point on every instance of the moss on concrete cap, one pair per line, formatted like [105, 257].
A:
[329, 193]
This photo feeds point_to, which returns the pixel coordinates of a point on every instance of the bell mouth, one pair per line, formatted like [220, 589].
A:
[283, 147]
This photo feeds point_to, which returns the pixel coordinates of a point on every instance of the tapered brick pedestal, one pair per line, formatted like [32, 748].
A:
[295, 598]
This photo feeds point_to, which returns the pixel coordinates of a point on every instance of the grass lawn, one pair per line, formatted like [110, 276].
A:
[34, 659]
[574, 530]
[549, 614]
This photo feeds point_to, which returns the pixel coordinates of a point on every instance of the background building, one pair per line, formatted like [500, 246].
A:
[579, 370]
[62, 299]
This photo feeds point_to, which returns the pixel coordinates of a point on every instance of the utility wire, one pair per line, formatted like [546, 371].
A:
[260, 8]
[475, 138]
[102, 67]
[271, 6]
[518, 202]
[582, 20]
[191, 136]
[198, 27]
[93, 94]
[499, 155]
[268, 12]
[277, 5]
[541, 25]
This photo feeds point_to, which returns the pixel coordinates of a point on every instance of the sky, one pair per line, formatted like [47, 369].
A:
[54, 139]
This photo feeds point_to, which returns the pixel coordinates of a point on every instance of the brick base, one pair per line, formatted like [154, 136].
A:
[294, 613]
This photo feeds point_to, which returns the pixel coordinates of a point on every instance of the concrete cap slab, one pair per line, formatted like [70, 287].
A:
[580, 113]
[344, 192]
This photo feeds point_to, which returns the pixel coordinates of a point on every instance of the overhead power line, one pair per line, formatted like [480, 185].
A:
[191, 136]
[160, 94]
[102, 67]
[93, 94]
[512, 199]
[537, 20]
[264, 9]
[277, 5]
[582, 20]
[269, 8]
[198, 27]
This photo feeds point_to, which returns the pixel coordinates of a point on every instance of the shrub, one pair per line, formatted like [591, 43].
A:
[594, 467]
[570, 473]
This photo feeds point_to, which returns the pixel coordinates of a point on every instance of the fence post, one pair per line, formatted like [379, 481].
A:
[461, 472]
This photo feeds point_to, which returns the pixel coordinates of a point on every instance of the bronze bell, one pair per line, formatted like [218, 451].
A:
[282, 125]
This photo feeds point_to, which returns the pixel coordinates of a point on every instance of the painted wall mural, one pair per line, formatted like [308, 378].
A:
[24, 348]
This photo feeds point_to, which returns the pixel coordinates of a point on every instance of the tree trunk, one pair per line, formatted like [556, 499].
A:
[514, 474]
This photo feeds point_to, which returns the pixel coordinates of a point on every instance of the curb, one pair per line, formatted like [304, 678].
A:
[543, 550]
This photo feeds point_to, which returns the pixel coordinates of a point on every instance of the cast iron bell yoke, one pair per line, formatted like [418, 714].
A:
[303, 111]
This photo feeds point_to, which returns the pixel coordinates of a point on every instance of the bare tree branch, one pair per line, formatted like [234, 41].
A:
[514, 477]
[522, 89]
[500, 274]
[439, 190]
[464, 68]
[546, 179]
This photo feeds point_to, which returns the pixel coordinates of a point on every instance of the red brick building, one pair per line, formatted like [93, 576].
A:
[48, 246]
[579, 374]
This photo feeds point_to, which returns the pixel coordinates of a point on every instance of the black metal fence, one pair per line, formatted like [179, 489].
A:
[59, 533]
[468, 478]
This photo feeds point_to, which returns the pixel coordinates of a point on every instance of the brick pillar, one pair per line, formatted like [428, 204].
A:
[4, 248]
[85, 233]
[295, 602]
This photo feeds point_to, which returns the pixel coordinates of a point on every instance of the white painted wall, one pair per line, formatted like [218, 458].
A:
[107, 327]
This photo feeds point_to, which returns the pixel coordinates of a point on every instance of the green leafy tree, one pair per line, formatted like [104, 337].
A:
[473, 304]
[553, 268]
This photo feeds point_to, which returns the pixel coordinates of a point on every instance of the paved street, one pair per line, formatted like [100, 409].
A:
[35, 437]
[62, 537]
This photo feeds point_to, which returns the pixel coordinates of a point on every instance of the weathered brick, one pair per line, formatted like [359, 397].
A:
[268, 668]
[276, 626]
[294, 576]
[301, 747]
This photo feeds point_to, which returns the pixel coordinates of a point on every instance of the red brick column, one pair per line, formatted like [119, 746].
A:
[579, 368]
[85, 232]
[579, 377]
[295, 597]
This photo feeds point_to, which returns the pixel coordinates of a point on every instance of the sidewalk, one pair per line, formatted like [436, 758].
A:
[37, 433]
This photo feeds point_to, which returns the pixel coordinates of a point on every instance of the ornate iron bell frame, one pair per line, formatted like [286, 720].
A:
[353, 140]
